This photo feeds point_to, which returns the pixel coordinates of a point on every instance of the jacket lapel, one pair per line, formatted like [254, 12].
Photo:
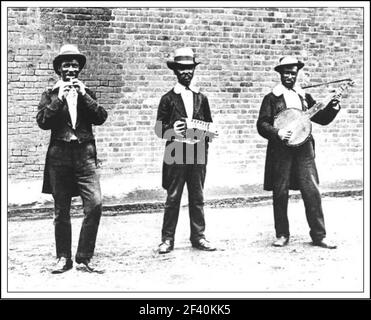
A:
[179, 104]
[79, 104]
[304, 104]
[280, 104]
[67, 113]
[65, 106]
[196, 104]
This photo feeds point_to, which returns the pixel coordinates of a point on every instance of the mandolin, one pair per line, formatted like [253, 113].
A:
[299, 122]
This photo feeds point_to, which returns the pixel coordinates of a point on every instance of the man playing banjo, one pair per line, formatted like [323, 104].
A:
[289, 167]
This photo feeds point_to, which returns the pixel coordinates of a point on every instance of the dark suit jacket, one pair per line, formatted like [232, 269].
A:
[270, 107]
[53, 115]
[172, 109]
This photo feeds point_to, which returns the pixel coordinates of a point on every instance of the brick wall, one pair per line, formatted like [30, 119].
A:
[127, 49]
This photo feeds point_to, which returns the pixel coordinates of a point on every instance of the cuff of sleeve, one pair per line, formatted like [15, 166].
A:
[336, 107]
[276, 132]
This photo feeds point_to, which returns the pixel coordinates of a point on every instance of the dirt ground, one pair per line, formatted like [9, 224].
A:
[245, 262]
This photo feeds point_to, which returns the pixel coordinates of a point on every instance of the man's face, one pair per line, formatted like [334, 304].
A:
[184, 75]
[288, 76]
[69, 69]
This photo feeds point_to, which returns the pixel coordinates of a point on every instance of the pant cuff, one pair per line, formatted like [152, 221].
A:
[195, 240]
[84, 255]
[64, 255]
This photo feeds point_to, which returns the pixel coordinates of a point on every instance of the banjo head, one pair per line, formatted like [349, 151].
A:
[297, 121]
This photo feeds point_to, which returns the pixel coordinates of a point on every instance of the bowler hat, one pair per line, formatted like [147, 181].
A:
[183, 57]
[288, 61]
[68, 51]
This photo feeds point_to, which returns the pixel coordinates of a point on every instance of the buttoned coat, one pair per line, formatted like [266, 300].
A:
[171, 109]
[273, 104]
[53, 115]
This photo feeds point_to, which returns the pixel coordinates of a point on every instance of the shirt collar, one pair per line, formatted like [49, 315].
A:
[179, 88]
[281, 89]
[58, 84]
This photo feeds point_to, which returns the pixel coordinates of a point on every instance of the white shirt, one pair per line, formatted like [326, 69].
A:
[187, 97]
[72, 106]
[292, 99]
[291, 96]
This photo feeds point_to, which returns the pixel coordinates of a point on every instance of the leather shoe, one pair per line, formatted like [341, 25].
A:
[324, 244]
[281, 241]
[86, 266]
[165, 247]
[203, 244]
[63, 265]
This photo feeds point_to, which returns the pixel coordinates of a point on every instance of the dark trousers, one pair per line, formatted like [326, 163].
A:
[73, 163]
[300, 163]
[194, 176]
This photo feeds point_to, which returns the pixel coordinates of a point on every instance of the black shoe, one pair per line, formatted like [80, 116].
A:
[281, 242]
[85, 265]
[204, 245]
[165, 247]
[324, 244]
[63, 265]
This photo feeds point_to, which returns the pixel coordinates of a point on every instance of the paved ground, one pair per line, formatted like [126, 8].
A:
[245, 262]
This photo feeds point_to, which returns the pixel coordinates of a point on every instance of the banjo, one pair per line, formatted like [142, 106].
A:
[299, 122]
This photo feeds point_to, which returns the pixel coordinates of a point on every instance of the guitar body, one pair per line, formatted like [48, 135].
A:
[298, 122]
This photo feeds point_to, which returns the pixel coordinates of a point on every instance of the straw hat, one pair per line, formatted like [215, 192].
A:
[183, 57]
[288, 61]
[68, 51]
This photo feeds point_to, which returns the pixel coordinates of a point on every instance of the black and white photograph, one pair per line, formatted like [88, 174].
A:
[185, 150]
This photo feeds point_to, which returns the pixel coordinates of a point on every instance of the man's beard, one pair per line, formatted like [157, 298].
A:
[185, 79]
[289, 84]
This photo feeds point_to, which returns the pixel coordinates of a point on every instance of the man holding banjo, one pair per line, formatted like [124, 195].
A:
[293, 166]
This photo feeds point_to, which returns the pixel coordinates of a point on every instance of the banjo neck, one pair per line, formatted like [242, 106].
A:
[320, 105]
